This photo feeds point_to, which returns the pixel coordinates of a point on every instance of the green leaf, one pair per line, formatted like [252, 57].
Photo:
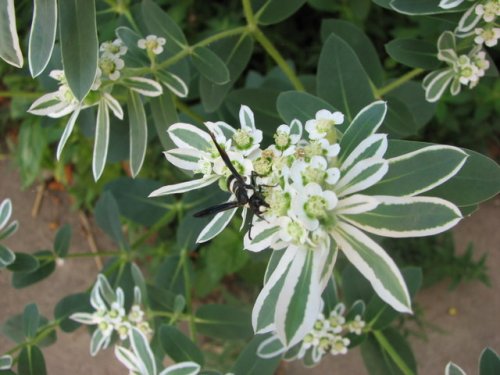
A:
[436, 86]
[178, 346]
[5, 212]
[138, 132]
[135, 57]
[366, 122]
[399, 121]
[170, 276]
[414, 53]
[31, 320]
[24, 263]
[249, 363]
[5, 364]
[107, 216]
[42, 35]
[235, 52]
[31, 361]
[32, 143]
[7, 257]
[133, 203]
[210, 66]
[79, 45]
[47, 266]
[9, 41]
[430, 167]
[489, 363]
[160, 23]
[300, 105]
[453, 369]
[360, 43]
[140, 345]
[164, 114]
[341, 79]
[422, 7]
[223, 321]
[68, 305]
[13, 329]
[62, 241]
[477, 181]
[274, 11]
[174, 83]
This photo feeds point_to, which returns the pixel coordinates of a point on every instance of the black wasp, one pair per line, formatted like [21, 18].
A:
[246, 194]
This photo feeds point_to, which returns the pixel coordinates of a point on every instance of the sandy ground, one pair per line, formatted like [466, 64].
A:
[461, 338]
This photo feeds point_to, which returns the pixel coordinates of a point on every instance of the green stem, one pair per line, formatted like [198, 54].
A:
[81, 255]
[25, 94]
[386, 345]
[398, 82]
[188, 111]
[189, 296]
[44, 332]
[248, 12]
[130, 19]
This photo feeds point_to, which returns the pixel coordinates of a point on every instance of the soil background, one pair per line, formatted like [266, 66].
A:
[460, 337]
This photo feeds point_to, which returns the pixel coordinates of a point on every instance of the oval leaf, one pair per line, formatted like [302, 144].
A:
[210, 66]
[42, 35]
[223, 321]
[178, 346]
[31, 361]
[414, 53]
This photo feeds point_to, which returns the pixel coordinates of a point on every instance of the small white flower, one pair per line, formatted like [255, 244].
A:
[356, 326]
[123, 330]
[136, 314]
[243, 165]
[152, 43]
[488, 11]
[313, 204]
[111, 65]
[489, 36]
[481, 62]
[292, 231]
[339, 345]
[323, 123]
[336, 321]
[284, 142]
[116, 47]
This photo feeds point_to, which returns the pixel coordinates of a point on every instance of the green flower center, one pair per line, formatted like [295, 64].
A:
[312, 174]
[318, 326]
[282, 140]
[296, 231]
[315, 207]
[466, 72]
[151, 45]
[123, 330]
[262, 166]
[313, 149]
[107, 65]
[279, 203]
[324, 125]
[242, 139]
[103, 326]
[113, 314]
[325, 343]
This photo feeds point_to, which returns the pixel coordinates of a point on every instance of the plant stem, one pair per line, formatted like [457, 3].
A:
[398, 82]
[188, 111]
[189, 296]
[386, 345]
[14, 94]
[44, 332]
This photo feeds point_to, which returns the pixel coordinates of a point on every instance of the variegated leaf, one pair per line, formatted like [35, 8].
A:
[47, 104]
[246, 118]
[6, 256]
[67, 132]
[144, 86]
[263, 235]
[5, 212]
[374, 264]
[270, 348]
[355, 204]
[174, 83]
[184, 158]
[407, 217]
[140, 346]
[184, 186]
[438, 85]
[449, 4]
[9, 41]
[217, 224]
[183, 368]
[114, 105]
[128, 359]
[446, 41]
[374, 146]
[361, 176]
[469, 20]
[101, 140]
[189, 136]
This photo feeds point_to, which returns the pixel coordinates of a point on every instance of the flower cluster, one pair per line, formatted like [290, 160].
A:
[110, 315]
[152, 44]
[110, 62]
[313, 183]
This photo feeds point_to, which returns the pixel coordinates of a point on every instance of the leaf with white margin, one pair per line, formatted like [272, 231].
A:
[361, 176]
[67, 131]
[9, 230]
[217, 224]
[6, 256]
[448, 55]
[420, 171]
[105, 289]
[446, 41]
[5, 362]
[328, 262]
[299, 302]
[448, 4]
[402, 217]
[174, 83]
[182, 368]
[435, 88]
[141, 348]
[453, 369]
[468, 20]
[42, 35]
[246, 118]
[184, 186]
[114, 105]
[189, 136]
[270, 348]
[430, 77]
[374, 264]
[47, 104]
[85, 318]
[9, 42]
[373, 146]
[264, 308]
[263, 235]
[355, 204]
[5, 212]
[221, 128]
[296, 128]
[98, 342]
[101, 140]
[143, 86]
[128, 359]
[184, 158]
[366, 122]
[272, 263]
[138, 132]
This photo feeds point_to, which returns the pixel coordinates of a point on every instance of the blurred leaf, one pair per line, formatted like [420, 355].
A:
[29, 152]
[414, 53]
[178, 346]
[7, 257]
[274, 11]
[31, 361]
[13, 329]
[138, 132]
[62, 241]
[210, 66]
[24, 262]
[422, 7]
[31, 320]
[101, 141]
[170, 276]
[47, 266]
[300, 105]
[107, 216]
[79, 44]
[489, 363]
[9, 41]
[235, 52]
[42, 35]
[341, 79]
[164, 114]
[249, 363]
[360, 43]
[68, 305]
[160, 299]
[223, 321]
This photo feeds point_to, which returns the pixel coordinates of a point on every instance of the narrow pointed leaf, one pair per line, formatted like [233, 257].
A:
[187, 135]
[361, 176]
[184, 158]
[374, 264]
[79, 45]
[164, 114]
[138, 132]
[436, 88]
[42, 35]
[67, 132]
[9, 41]
[453, 369]
[216, 225]
[101, 141]
[184, 186]
[5, 212]
[210, 66]
[144, 86]
[374, 146]
[140, 346]
[183, 368]
[263, 235]
[173, 82]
